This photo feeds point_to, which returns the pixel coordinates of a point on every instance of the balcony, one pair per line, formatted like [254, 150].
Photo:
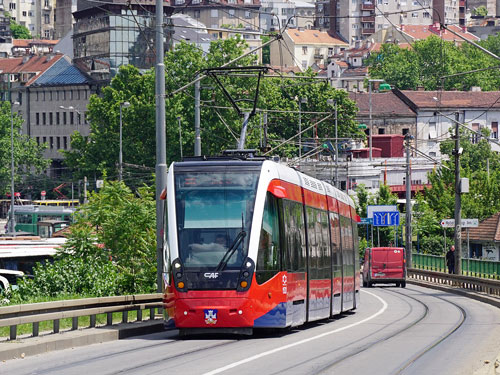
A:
[370, 19]
[367, 6]
[368, 31]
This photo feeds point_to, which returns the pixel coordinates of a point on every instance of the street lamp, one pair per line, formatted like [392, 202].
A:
[120, 156]
[371, 121]
[334, 102]
[12, 221]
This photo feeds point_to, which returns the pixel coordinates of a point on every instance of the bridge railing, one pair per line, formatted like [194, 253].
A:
[471, 267]
[487, 286]
[12, 316]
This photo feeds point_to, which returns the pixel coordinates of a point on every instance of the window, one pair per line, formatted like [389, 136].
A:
[427, 15]
[46, 3]
[268, 258]
[432, 130]
[12, 6]
[295, 237]
[37, 117]
[304, 64]
[248, 14]
[64, 118]
[46, 19]
[58, 142]
[231, 13]
[71, 118]
[494, 130]
[475, 137]
[51, 142]
[214, 13]
[46, 33]
[65, 142]
[44, 118]
[51, 118]
[38, 141]
[405, 131]
[44, 139]
[24, 13]
[197, 13]
[414, 14]
[58, 122]
[330, 52]
[381, 131]
[304, 50]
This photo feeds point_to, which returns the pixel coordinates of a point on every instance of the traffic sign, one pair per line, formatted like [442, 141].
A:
[385, 219]
[366, 220]
[370, 209]
[43, 193]
[466, 223]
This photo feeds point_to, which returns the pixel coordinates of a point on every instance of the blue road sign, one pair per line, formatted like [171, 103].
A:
[366, 220]
[386, 219]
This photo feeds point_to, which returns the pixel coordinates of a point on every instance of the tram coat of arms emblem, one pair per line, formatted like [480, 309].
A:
[210, 316]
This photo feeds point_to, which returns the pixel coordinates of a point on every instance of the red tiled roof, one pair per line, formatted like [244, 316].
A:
[36, 64]
[26, 43]
[313, 37]
[488, 230]
[453, 99]
[420, 32]
[414, 187]
[383, 104]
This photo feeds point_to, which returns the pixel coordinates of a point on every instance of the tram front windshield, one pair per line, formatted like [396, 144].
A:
[214, 213]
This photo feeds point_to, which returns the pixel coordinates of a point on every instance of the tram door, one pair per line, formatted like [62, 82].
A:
[337, 284]
[347, 263]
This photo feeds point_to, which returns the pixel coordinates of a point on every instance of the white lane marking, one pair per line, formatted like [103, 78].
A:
[269, 352]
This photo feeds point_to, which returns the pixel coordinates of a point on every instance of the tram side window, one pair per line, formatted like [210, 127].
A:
[335, 230]
[347, 244]
[356, 242]
[294, 233]
[325, 247]
[317, 231]
[268, 258]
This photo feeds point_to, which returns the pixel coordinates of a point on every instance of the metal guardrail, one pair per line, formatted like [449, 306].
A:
[471, 267]
[12, 316]
[488, 286]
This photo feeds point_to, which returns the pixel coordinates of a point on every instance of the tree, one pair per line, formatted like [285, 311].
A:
[480, 11]
[428, 61]
[220, 122]
[27, 154]
[18, 31]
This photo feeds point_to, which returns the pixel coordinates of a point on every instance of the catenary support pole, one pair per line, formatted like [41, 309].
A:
[458, 201]
[161, 151]
[408, 203]
[197, 118]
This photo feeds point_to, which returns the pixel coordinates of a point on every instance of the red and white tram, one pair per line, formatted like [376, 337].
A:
[255, 244]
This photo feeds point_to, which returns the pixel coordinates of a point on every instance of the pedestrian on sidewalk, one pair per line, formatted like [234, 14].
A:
[450, 259]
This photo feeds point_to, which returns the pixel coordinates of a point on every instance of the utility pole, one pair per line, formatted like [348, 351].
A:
[458, 200]
[408, 137]
[161, 151]
[336, 150]
[197, 116]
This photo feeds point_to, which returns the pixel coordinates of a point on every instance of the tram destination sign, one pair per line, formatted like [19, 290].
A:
[466, 223]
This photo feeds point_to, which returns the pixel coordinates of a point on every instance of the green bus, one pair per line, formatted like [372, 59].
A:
[28, 217]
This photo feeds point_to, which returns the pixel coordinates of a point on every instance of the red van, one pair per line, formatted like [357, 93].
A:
[384, 265]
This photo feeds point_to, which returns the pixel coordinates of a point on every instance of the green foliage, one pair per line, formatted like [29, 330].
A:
[438, 202]
[480, 11]
[111, 249]
[27, 154]
[18, 31]
[430, 59]
[364, 199]
[220, 127]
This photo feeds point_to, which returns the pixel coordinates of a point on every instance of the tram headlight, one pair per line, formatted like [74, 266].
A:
[179, 275]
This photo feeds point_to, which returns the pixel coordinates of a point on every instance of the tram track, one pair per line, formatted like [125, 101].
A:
[154, 362]
[436, 343]
[328, 368]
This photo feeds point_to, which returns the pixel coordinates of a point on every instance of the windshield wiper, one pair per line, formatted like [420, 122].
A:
[229, 253]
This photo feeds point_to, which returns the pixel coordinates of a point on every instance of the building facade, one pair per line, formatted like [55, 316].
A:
[36, 15]
[51, 95]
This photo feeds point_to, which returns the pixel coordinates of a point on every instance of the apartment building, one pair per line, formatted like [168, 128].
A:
[305, 48]
[292, 13]
[51, 96]
[359, 19]
[36, 15]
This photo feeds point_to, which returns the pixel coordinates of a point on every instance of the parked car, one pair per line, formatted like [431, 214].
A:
[384, 265]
